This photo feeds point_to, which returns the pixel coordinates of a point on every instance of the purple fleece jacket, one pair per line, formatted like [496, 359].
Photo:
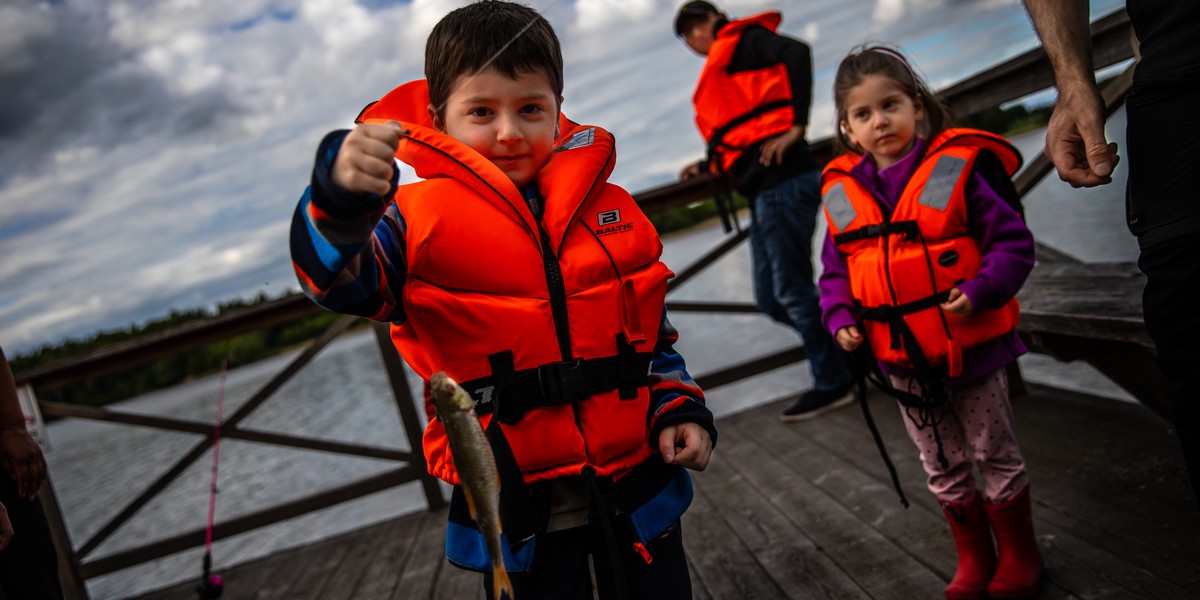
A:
[1006, 245]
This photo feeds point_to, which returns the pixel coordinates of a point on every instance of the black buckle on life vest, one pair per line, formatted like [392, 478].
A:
[561, 382]
[510, 393]
[910, 229]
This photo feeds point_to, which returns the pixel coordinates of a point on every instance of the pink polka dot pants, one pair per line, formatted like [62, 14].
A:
[975, 425]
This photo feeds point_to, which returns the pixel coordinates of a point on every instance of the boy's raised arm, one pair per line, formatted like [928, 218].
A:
[347, 242]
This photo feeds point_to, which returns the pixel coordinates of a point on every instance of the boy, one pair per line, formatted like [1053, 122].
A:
[517, 269]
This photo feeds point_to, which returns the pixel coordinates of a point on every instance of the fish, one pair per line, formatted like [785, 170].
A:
[476, 466]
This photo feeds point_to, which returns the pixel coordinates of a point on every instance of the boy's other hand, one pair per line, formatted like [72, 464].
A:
[364, 164]
[848, 338]
[686, 444]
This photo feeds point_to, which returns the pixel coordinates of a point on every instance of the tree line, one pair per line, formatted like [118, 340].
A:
[175, 369]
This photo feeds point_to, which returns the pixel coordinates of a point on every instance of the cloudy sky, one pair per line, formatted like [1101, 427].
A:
[152, 151]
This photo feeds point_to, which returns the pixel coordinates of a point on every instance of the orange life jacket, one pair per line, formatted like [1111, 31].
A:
[902, 267]
[494, 295]
[735, 110]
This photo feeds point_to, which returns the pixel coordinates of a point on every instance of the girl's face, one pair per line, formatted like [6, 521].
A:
[511, 122]
[881, 118]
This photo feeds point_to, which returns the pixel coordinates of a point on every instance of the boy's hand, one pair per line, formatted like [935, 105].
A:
[364, 164]
[958, 304]
[686, 444]
[848, 338]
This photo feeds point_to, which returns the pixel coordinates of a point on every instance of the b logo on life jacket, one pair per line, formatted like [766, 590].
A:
[609, 222]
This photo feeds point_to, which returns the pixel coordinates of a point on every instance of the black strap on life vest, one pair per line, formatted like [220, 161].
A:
[511, 393]
[862, 365]
[519, 517]
[718, 136]
[910, 229]
[612, 503]
[928, 406]
[893, 315]
[721, 197]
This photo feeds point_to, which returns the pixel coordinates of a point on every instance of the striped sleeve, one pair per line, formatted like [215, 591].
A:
[348, 249]
[674, 396]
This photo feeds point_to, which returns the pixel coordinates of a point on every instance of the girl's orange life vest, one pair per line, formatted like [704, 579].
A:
[735, 110]
[478, 286]
[902, 267]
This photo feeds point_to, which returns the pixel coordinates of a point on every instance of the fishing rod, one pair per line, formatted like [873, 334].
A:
[212, 584]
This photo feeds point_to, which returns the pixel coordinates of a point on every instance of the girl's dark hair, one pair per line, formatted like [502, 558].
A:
[510, 37]
[887, 62]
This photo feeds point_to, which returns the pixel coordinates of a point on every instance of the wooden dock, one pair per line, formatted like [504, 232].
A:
[807, 511]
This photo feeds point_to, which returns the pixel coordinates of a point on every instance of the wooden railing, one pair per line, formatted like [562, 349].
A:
[1005, 82]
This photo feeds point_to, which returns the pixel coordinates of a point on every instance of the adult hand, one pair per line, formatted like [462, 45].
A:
[774, 148]
[686, 444]
[22, 459]
[958, 304]
[6, 530]
[364, 163]
[690, 171]
[1075, 138]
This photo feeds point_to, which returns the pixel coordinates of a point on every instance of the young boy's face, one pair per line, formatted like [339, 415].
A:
[511, 122]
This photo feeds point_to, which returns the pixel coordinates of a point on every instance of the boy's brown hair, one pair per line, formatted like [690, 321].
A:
[510, 37]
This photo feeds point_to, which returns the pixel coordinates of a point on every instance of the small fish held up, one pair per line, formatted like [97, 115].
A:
[476, 466]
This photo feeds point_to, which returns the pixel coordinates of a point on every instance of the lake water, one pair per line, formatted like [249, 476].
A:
[344, 395]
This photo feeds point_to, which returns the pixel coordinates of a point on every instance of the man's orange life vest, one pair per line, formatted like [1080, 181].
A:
[902, 267]
[735, 110]
[570, 304]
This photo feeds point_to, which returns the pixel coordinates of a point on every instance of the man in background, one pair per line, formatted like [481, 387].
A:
[752, 103]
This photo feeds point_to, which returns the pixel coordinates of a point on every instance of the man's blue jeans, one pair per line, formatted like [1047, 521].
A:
[785, 217]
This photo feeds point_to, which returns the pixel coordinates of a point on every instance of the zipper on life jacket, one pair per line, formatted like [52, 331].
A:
[640, 548]
[558, 295]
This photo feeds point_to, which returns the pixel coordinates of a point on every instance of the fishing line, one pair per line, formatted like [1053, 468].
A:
[212, 584]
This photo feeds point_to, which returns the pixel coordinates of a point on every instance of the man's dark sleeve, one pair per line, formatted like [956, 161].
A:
[760, 48]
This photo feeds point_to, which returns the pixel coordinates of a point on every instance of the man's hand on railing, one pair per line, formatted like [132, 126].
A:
[693, 170]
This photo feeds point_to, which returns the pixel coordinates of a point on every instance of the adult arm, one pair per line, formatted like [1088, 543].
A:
[6, 530]
[348, 248]
[1075, 140]
[20, 456]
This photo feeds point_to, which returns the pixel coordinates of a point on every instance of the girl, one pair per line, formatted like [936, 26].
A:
[921, 265]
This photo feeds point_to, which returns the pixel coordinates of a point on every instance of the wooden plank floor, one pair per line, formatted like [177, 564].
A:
[807, 511]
